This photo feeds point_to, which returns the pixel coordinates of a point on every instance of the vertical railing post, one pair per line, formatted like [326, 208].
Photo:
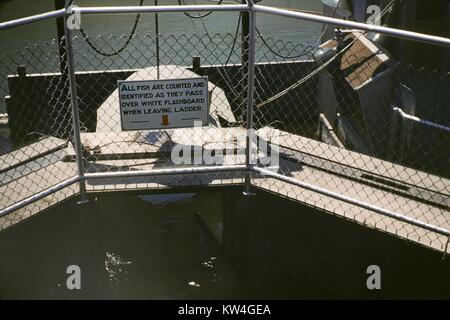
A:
[75, 114]
[250, 97]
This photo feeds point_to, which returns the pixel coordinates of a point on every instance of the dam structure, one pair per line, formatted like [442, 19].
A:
[347, 129]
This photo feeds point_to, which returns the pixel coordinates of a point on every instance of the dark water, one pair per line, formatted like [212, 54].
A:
[209, 245]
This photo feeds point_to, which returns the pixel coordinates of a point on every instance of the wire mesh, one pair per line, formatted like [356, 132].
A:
[360, 124]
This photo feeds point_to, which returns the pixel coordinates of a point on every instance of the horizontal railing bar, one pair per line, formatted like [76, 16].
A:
[160, 9]
[407, 116]
[38, 196]
[27, 20]
[353, 201]
[168, 171]
[355, 25]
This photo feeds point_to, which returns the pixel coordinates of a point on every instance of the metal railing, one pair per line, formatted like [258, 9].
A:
[247, 103]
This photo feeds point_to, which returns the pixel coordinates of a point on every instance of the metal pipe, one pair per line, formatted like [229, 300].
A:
[244, 47]
[407, 116]
[75, 112]
[250, 96]
[38, 196]
[159, 172]
[362, 204]
[356, 25]
[248, 167]
[161, 9]
[31, 19]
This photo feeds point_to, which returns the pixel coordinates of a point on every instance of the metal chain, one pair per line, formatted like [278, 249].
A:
[304, 53]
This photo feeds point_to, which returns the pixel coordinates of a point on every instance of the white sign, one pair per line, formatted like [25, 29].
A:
[162, 104]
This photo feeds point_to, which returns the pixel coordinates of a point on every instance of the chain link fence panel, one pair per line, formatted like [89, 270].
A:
[358, 123]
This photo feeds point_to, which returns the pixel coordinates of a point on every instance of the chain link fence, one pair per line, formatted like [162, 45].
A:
[364, 126]
[343, 119]
[38, 128]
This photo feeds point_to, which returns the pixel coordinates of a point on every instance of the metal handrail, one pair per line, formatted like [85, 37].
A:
[355, 25]
[162, 9]
[428, 123]
[40, 195]
[120, 174]
[168, 171]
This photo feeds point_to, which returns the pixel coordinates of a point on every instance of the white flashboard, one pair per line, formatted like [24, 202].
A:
[163, 104]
